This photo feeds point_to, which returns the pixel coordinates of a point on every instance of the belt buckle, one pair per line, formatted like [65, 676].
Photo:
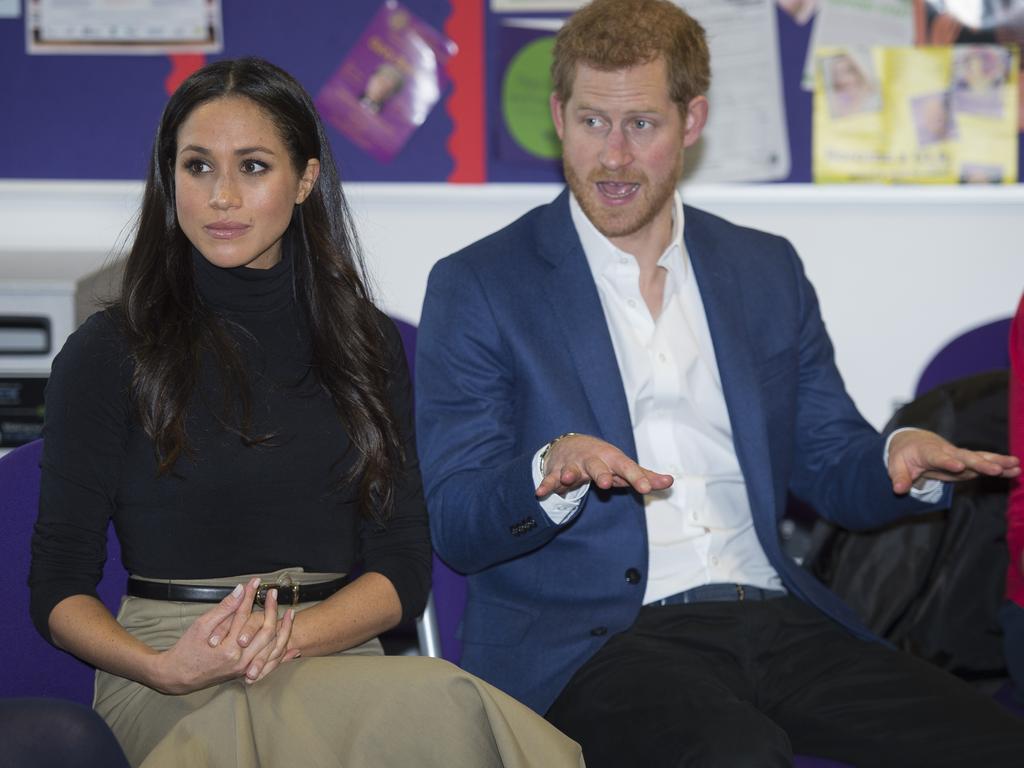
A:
[284, 581]
[741, 593]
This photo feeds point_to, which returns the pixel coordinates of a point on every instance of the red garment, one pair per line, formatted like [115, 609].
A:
[1015, 509]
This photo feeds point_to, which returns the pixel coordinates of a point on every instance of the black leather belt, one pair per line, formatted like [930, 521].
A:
[720, 593]
[291, 594]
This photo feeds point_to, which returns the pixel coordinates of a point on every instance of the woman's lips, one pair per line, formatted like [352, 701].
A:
[227, 230]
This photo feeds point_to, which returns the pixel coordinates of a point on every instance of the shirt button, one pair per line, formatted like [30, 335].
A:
[661, 357]
[714, 561]
[599, 631]
[623, 260]
[632, 303]
[693, 515]
[632, 576]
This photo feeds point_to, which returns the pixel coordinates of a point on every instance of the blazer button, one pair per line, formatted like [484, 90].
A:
[632, 576]
[599, 631]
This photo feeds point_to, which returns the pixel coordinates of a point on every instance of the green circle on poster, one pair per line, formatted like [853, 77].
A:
[524, 100]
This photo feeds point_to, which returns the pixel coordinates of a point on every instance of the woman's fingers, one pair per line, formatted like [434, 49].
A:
[275, 654]
[215, 621]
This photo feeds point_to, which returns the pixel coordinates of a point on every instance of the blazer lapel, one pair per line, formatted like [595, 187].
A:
[576, 307]
[718, 280]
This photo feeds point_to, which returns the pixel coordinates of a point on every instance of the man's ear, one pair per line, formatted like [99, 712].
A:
[696, 119]
[308, 180]
[557, 115]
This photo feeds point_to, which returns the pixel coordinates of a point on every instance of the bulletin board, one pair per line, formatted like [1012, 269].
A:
[93, 117]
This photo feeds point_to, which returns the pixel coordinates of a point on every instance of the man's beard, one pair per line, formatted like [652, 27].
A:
[615, 222]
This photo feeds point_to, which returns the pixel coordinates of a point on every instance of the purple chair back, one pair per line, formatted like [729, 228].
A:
[33, 666]
[981, 349]
[449, 587]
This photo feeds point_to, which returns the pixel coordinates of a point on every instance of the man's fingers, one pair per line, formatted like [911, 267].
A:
[570, 476]
[993, 464]
[548, 484]
[599, 472]
[633, 474]
[901, 478]
[659, 482]
[947, 477]
[577, 459]
[641, 479]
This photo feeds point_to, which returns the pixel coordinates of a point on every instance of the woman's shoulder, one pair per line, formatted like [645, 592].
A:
[98, 346]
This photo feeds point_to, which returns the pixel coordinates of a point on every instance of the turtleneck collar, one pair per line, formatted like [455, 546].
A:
[242, 289]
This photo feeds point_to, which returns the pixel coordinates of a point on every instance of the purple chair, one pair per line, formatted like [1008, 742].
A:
[34, 667]
[981, 349]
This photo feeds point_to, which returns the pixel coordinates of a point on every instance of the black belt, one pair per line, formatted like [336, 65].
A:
[720, 593]
[292, 594]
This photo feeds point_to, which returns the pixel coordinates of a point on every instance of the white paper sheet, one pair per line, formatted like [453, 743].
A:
[123, 26]
[746, 137]
[856, 23]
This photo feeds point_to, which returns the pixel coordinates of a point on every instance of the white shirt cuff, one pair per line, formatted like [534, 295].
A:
[558, 508]
[930, 490]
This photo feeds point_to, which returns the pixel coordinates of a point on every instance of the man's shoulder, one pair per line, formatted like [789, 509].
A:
[714, 226]
[518, 245]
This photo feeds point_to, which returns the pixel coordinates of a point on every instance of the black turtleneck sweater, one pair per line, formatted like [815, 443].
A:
[228, 508]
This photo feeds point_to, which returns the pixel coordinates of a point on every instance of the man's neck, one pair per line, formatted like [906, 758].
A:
[649, 243]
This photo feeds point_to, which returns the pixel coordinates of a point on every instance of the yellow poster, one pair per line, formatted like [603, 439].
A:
[936, 115]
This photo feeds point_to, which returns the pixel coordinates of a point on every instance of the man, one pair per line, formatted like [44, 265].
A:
[615, 395]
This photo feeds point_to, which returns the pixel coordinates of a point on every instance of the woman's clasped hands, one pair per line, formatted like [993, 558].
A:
[229, 641]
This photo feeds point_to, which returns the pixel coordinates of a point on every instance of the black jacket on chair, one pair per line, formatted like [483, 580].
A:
[932, 585]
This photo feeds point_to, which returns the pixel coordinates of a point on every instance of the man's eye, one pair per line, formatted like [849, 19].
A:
[642, 124]
[592, 122]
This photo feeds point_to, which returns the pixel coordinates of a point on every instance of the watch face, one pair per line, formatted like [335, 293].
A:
[982, 14]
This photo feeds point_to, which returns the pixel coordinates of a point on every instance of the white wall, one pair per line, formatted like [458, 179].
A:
[899, 271]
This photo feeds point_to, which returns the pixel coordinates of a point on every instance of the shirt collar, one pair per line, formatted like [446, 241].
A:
[602, 253]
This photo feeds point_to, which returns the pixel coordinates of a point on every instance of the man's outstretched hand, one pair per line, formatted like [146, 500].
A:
[916, 454]
[577, 459]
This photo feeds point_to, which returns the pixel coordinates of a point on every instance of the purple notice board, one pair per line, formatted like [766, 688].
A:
[94, 117]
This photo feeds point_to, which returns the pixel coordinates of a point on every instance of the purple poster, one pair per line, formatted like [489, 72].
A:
[388, 83]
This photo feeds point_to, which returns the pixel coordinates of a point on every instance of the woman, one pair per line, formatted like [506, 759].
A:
[1012, 613]
[242, 411]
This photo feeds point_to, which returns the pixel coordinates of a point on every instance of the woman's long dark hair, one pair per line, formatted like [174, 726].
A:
[169, 328]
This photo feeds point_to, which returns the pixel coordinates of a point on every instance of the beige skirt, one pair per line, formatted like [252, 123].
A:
[354, 709]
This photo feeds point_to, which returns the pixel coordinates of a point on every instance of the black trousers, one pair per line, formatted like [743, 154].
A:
[749, 683]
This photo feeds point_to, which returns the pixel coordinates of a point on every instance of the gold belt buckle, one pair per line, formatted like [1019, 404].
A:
[284, 581]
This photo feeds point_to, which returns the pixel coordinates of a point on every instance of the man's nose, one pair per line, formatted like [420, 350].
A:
[616, 152]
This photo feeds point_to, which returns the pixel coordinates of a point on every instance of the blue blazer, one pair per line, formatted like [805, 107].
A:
[513, 350]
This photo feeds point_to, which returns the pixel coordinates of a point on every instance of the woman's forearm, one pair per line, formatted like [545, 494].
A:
[82, 625]
[362, 610]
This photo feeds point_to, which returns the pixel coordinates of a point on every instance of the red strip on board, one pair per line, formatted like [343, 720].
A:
[465, 103]
[182, 65]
